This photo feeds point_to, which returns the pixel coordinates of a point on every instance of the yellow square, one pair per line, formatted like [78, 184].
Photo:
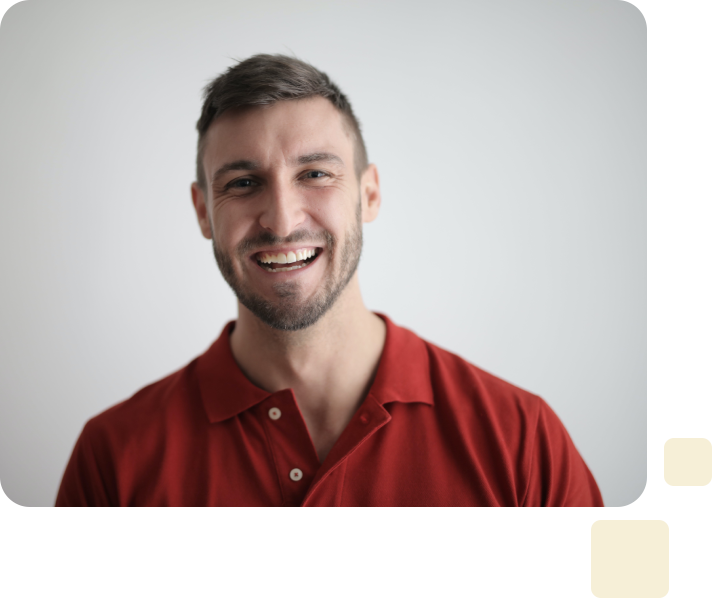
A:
[688, 474]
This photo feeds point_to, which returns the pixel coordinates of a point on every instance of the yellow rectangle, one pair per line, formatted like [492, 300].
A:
[629, 559]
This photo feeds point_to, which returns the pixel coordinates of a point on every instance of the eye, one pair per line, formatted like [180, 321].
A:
[240, 184]
[315, 174]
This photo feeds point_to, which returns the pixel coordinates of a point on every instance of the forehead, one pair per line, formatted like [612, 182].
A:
[277, 132]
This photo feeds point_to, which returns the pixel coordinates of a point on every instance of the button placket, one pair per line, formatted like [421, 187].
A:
[283, 425]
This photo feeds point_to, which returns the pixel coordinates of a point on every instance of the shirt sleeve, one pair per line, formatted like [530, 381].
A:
[558, 475]
[85, 482]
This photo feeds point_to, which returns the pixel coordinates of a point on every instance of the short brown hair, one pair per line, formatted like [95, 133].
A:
[264, 79]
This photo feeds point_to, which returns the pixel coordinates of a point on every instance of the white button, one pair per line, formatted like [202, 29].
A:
[296, 474]
[275, 413]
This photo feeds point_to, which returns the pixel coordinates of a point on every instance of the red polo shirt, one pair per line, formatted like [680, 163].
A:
[433, 430]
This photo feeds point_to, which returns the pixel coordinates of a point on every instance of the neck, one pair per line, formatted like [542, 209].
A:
[330, 366]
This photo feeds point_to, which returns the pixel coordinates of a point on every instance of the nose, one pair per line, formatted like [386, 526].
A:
[282, 211]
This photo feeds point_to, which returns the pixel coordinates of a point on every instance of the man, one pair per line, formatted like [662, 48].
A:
[309, 398]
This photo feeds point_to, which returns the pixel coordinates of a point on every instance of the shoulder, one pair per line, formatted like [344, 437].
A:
[151, 407]
[114, 442]
[515, 427]
[461, 383]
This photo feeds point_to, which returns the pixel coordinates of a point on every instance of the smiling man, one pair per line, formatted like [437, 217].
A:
[283, 201]
[309, 398]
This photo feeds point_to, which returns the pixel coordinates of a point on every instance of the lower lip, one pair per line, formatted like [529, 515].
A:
[287, 274]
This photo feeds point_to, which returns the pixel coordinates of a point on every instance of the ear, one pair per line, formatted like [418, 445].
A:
[370, 194]
[201, 210]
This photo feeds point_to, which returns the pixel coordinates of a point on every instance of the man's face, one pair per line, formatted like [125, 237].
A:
[281, 187]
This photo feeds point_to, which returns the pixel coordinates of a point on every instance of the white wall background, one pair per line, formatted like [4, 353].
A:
[510, 138]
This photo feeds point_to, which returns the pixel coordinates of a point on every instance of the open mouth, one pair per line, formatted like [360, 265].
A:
[285, 262]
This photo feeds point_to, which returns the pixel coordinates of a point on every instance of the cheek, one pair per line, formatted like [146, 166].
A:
[333, 213]
[227, 237]
[230, 225]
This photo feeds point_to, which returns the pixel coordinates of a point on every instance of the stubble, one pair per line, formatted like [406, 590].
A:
[291, 312]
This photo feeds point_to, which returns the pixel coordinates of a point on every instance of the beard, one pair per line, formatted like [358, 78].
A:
[289, 312]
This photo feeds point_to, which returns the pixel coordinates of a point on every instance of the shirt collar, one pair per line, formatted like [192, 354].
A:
[403, 374]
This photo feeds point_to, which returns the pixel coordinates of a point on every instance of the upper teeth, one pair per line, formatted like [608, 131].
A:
[287, 258]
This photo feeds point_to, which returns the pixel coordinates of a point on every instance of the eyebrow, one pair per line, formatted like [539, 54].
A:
[300, 161]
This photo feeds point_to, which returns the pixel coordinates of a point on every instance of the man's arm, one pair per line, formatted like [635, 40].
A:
[84, 482]
[558, 475]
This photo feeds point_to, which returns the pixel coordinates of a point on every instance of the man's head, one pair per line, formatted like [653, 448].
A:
[282, 168]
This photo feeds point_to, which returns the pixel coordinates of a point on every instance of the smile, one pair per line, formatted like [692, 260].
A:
[287, 261]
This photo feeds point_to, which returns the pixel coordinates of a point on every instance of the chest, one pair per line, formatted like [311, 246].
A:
[267, 457]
